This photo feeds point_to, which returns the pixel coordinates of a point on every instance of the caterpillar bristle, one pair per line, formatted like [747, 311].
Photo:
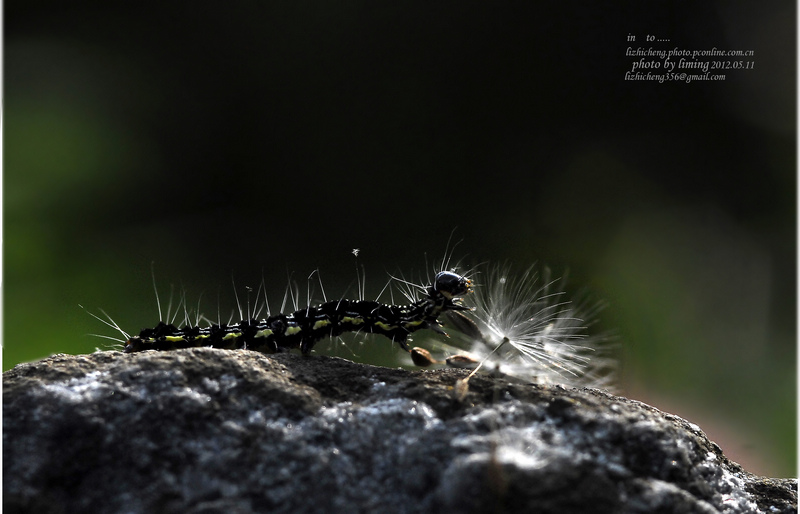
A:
[110, 323]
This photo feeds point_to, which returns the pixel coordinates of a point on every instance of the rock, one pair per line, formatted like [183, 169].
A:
[203, 430]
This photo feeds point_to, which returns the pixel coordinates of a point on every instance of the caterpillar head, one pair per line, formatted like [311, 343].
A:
[451, 285]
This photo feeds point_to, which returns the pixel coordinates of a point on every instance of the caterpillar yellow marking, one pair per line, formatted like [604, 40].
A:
[410, 324]
[202, 336]
[174, 339]
[354, 321]
[232, 335]
[290, 331]
[321, 323]
[385, 326]
[264, 333]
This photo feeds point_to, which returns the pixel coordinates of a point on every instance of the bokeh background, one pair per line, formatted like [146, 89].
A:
[246, 139]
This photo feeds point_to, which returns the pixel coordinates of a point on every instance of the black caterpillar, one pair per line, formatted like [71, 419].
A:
[303, 328]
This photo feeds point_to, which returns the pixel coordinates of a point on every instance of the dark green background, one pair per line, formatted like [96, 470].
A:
[218, 139]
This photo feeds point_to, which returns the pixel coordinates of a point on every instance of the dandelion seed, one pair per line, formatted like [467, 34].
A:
[524, 326]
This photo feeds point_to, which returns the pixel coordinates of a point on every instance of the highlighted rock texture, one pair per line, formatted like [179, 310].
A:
[204, 430]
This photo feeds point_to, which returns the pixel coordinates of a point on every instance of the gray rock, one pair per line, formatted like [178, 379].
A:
[202, 430]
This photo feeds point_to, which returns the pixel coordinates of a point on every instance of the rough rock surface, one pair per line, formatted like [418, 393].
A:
[202, 430]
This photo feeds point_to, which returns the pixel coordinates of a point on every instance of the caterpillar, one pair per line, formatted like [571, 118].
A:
[305, 327]
[514, 325]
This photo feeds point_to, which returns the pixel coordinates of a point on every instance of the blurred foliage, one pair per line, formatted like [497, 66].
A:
[270, 139]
